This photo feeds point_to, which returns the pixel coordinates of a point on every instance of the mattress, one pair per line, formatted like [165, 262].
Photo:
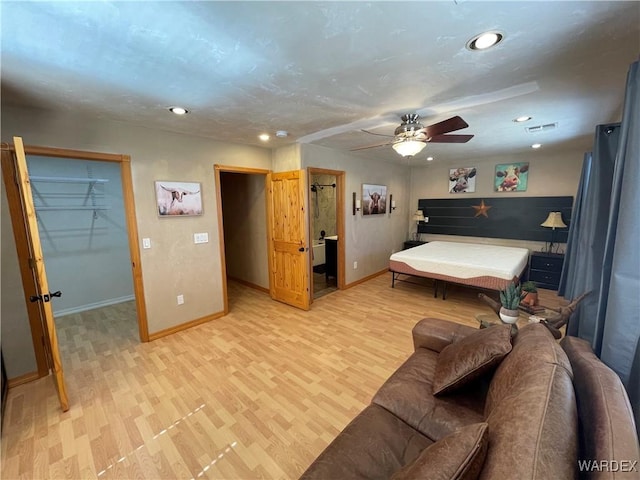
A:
[487, 266]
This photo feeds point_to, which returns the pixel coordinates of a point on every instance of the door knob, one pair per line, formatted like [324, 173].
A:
[46, 297]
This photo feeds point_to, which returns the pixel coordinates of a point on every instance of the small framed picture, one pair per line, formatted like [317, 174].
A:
[374, 199]
[180, 199]
[462, 180]
[511, 177]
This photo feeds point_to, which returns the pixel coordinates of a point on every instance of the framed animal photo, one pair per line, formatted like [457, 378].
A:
[511, 177]
[374, 199]
[462, 180]
[178, 199]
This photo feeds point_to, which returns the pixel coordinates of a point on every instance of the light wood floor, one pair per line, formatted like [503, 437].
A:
[256, 394]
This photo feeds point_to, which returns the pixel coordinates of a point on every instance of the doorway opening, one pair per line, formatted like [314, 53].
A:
[242, 223]
[75, 215]
[326, 230]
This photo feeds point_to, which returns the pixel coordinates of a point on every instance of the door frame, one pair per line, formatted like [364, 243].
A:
[340, 216]
[18, 218]
[218, 170]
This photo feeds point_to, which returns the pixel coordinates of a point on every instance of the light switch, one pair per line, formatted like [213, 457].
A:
[146, 243]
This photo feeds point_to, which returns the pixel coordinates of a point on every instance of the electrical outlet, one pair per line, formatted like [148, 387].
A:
[200, 237]
[180, 299]
[355, 265]
[146, 243]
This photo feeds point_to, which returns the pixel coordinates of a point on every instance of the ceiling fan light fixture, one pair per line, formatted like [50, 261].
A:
[409, 148]
[484, 41]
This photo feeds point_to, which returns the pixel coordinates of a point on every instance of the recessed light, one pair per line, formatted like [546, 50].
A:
[536, 145]
[429, 159]
[524, 118]
[178, 110]
[484, 40]
[264, 137]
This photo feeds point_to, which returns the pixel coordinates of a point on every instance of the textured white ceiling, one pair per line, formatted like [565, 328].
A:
[323, 70]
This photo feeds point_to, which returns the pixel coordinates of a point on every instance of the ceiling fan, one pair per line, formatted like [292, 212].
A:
[411, 136]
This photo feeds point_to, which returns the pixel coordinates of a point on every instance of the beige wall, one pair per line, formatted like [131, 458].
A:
[549, 176]
[286, 158]
[369, 240]
[245, 227]
[174, 265]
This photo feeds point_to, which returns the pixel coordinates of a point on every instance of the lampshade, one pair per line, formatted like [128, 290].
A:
[554, 220]
[418, 216]
[409, 148]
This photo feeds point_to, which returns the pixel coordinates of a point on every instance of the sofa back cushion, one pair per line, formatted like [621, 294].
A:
[531, 411]
[607, 427]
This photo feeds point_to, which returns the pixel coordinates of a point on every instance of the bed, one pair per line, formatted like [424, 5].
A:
[489, 267]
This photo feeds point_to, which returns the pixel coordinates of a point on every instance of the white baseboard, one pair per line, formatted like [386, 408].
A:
[91, 306]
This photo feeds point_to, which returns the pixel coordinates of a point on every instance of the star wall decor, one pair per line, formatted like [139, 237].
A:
[481, 209]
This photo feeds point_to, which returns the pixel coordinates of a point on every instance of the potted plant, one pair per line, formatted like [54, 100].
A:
[530, 293]
[510, 300]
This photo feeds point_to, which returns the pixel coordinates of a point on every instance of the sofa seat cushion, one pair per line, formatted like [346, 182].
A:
[458, 456]
[463, 361]
[408, 394]
[374, 445]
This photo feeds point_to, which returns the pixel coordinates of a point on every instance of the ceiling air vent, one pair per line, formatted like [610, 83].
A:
[542, 128]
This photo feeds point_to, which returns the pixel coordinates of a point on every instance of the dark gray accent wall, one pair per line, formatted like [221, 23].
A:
[517, 218]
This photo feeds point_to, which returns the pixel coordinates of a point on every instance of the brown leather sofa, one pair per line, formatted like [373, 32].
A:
[523, 415]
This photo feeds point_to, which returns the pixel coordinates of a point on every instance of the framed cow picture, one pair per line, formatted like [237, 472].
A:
[462, 180]
[511, 177]
[374, 199]
[178, 199]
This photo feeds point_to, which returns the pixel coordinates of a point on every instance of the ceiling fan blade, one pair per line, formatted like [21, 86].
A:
[449, 125]
[374, 133]
[371, 146]
[451, 139]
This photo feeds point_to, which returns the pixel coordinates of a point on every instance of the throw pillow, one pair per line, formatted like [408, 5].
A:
[475, 355]
[458, 456]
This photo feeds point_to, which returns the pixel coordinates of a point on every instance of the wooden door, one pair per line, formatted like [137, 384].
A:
[289, 268]
[42, 293]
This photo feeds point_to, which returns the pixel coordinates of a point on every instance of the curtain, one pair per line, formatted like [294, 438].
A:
[618, 332]
[577, 239]
[603, 254]
[582, 270]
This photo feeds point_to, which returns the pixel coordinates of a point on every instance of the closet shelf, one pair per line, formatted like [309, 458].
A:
[67, 179]
[71, 207]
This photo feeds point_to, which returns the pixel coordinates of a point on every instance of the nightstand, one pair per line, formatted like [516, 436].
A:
[412, 243]
[545, 269]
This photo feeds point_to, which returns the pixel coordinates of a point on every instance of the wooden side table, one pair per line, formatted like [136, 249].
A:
[545, 269]
[413, 243]
[488, 319]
